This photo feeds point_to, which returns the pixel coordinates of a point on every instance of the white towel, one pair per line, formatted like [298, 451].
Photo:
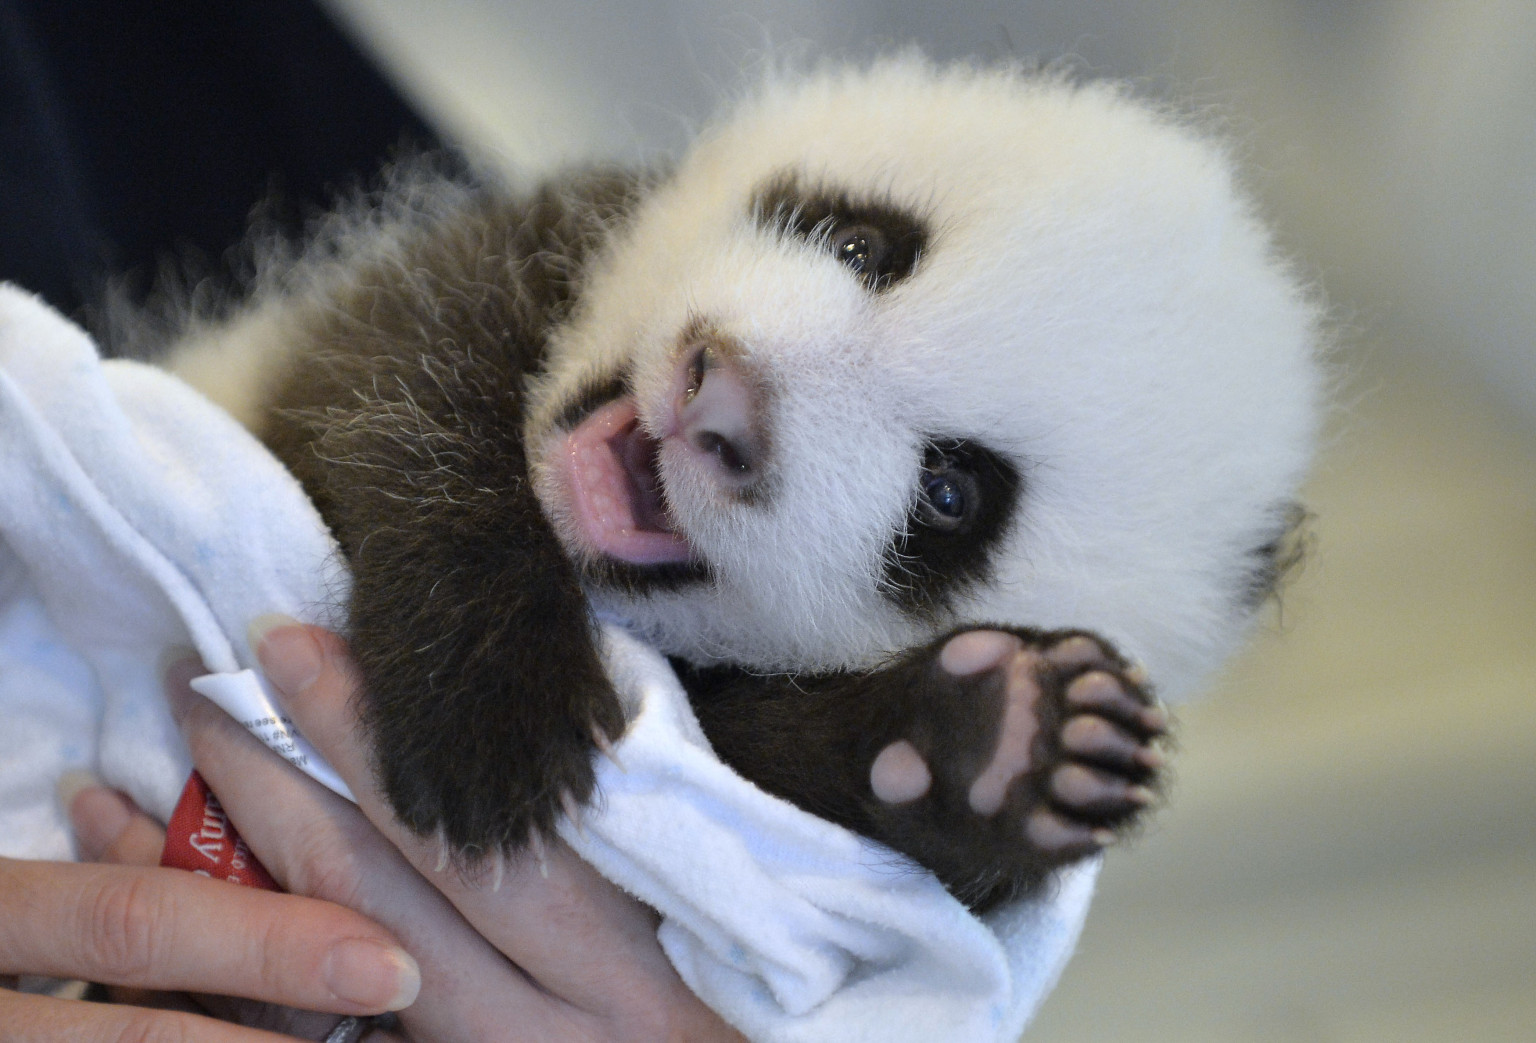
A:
[136, 517]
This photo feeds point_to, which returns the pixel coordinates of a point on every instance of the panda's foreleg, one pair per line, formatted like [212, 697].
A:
[484, 694]
[989, 756]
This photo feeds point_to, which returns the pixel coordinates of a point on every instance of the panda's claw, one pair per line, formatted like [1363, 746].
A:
[1100, 741]
[1050, 831]
[1101, 693]
[1093, 791]
[606, 748]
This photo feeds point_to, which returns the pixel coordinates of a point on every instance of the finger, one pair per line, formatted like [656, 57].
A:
[577, 934]
[317, 844]
[42, 1019]
[108, 826]
[182, 1001]
[305, 1024]
[251, 1013]
[169, 930]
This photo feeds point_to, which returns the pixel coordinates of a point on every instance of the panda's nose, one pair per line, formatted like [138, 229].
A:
[718, 406]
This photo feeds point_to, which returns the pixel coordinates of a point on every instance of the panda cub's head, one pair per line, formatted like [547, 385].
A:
[898, 349]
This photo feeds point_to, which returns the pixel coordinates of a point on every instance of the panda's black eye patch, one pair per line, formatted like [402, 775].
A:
[876, 240]
[965, 498]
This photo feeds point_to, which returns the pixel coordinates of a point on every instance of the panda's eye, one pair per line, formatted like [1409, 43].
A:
[944, 495]
[862, 248]
[949, 494]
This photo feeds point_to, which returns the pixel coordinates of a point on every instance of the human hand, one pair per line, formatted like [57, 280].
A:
[151, 929]
[547, 952]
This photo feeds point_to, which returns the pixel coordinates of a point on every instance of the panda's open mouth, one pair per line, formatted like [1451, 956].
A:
[616, 499]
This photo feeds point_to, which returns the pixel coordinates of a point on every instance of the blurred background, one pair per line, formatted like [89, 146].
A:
[1350, 849]
[1349, 854]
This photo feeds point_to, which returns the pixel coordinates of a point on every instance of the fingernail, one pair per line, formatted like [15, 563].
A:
[71, 783]
[177, 669]
[257, 630]
[289, 655]
[372, 975]
[99, 815]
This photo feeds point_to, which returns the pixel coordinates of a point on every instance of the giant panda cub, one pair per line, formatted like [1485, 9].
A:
[905, 413]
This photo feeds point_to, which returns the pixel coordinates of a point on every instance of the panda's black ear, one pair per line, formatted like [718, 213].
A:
[1279, 557]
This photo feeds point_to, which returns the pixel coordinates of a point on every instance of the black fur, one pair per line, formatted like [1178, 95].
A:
[404, 422]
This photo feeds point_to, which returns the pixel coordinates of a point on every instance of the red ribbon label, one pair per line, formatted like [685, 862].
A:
[201, 838]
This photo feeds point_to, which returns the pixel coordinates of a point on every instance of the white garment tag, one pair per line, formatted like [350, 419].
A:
[246, 697]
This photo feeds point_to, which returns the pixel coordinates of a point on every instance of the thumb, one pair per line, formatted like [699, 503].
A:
[108, 826]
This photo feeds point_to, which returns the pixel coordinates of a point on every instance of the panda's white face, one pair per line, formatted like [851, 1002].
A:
[898, 350]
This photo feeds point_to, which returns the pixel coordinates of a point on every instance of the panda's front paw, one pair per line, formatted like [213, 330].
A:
[1021, 752]
[490, 784]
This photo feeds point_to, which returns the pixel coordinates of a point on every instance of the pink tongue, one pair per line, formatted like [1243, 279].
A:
[605, 493]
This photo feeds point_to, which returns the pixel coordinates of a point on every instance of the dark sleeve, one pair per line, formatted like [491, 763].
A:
[134, 130]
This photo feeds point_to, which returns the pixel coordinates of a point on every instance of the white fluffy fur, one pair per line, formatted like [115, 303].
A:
[1097, 300]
